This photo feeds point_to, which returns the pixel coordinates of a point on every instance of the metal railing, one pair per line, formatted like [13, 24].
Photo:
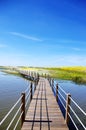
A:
[21, 106]
[68, 104]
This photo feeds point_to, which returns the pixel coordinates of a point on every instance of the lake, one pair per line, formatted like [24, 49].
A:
[11, 88]
[78, 93]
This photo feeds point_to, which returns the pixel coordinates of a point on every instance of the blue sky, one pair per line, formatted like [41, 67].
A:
[43, 32]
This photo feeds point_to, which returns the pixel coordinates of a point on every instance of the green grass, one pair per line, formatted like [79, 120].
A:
[74, 73]
[11, 72]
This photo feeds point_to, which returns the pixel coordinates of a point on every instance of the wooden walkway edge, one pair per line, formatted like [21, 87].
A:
[44, 112]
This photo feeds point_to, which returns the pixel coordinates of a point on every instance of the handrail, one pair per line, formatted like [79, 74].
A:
[73, 122]
[28, 94]
[78, 106]
[28, 97]
[62, 90]
[18, 121]
[62, 96]
[27, 90]
[10, 111]
[62, 102]
[31, 74]
[59, 95]
[27, 100]
[77, 117]
[14, 117]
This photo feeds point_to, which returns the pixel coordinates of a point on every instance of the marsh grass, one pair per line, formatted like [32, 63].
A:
[74, 73]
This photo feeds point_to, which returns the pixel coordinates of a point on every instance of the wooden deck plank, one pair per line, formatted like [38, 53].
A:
[44, 112]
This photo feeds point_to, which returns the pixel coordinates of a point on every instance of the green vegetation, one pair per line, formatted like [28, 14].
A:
[76, 74]
[11, 72]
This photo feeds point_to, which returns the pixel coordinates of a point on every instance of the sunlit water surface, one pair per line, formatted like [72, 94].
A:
[11, 88]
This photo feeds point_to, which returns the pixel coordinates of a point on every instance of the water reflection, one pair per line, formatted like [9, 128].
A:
[12, 86]
[10, 90]
[78, 93]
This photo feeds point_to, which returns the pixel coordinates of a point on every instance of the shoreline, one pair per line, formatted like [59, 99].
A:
[75, 74]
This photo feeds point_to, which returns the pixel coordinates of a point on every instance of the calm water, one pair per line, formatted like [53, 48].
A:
[78, 93]
[10, 90]
[12, 86]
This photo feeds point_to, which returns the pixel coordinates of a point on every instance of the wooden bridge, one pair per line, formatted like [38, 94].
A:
[43, 110]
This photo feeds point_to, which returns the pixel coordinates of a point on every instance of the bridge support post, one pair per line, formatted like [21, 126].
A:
[67, 108]
[23, 108]
[57, 92]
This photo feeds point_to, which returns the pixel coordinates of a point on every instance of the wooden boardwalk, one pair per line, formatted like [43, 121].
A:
[44, 112]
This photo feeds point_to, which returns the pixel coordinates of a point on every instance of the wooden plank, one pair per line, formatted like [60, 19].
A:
[44, 112]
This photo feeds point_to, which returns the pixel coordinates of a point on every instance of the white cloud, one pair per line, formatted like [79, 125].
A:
[25, 36]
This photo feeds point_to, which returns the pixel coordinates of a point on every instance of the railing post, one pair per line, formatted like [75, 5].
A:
[36, 82]
[35, 85]
[52, 84]
[57, 92]
[38, 77]
[23, 108]
[35, 75]
[31, 91]
[48, 77]
[45, 76]
[50, 81]
[67, 108]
